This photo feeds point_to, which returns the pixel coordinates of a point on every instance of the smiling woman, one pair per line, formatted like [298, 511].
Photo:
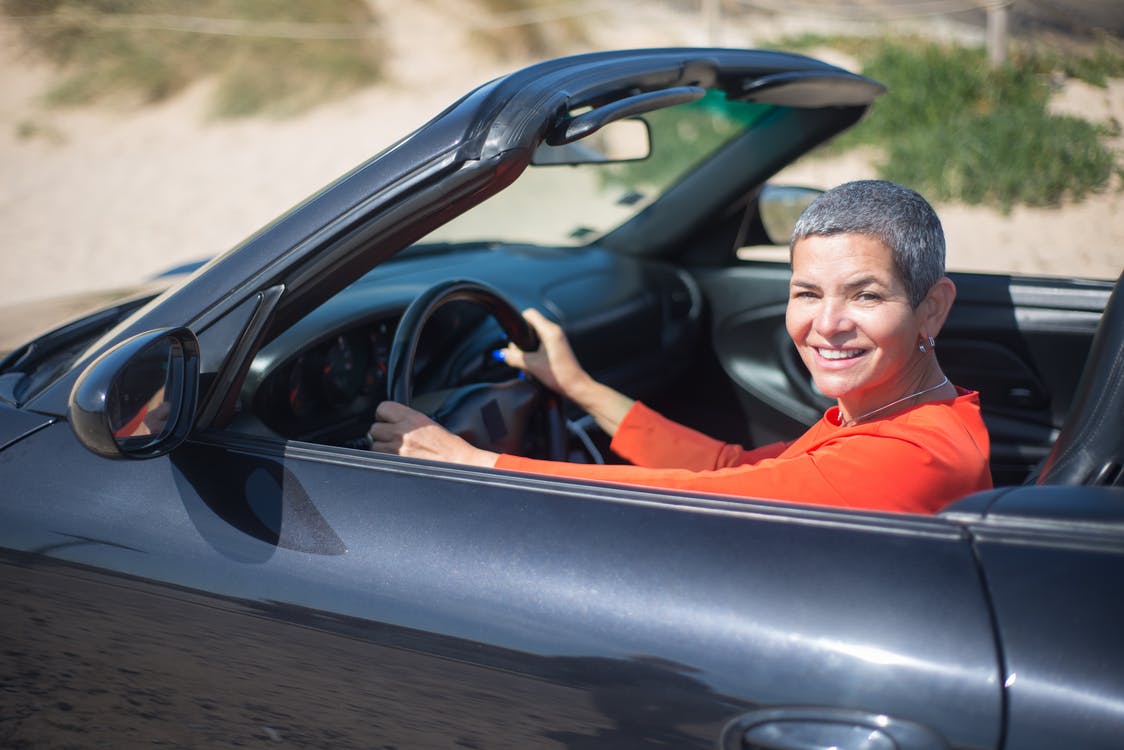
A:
[855, 328]
[868, 296]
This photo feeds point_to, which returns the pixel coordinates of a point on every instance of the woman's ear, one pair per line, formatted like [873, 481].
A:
[933, 310]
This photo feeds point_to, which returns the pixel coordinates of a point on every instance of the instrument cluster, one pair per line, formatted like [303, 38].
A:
[345, 375]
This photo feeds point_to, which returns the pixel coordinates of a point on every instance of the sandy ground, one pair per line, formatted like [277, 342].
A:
[97, 198]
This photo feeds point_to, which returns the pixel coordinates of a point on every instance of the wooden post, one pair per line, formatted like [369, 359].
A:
[998, 12]
[712, 21]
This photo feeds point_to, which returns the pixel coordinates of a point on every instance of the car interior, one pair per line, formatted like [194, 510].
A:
[650, 266]
[641, 267]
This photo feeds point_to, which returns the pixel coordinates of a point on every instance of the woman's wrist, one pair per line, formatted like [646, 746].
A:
[583, 390]
[482, 458]
[606, 405]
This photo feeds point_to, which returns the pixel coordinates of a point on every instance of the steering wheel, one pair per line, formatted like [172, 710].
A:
[518, 416]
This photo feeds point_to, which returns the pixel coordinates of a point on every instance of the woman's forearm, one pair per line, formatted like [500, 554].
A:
[606, 405]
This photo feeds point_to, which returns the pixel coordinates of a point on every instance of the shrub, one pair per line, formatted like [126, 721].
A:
[954, 129]
[265, 56]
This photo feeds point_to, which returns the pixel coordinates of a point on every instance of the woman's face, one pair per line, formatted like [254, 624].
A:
[851, 320]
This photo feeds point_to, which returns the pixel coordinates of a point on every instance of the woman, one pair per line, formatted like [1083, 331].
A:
[867, 298]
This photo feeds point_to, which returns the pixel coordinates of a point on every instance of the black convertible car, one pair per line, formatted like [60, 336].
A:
[256, 577]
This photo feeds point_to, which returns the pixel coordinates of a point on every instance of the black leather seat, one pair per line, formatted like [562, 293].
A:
[1090, 446]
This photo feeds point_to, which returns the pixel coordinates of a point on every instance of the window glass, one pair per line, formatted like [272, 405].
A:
[595, 198]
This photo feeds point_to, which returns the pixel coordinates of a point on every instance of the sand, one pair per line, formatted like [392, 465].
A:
[96, 198]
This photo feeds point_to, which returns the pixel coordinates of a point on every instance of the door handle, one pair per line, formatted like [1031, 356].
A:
[801, 728]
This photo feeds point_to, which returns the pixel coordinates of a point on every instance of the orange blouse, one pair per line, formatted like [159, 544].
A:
[915, 461]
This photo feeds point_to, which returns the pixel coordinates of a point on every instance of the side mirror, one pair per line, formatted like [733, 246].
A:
[138, 399]
[779, 206]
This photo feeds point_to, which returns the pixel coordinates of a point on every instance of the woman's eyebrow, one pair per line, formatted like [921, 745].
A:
[864, 281]
[848, 286]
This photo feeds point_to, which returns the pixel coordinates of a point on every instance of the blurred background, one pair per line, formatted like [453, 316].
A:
[140, 135]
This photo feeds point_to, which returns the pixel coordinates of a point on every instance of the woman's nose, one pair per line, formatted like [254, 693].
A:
[832, 317]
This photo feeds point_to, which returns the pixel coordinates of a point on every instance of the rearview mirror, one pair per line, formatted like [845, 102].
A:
[617, 141]
[138, 399]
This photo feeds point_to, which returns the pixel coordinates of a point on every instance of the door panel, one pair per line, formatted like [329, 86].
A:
[260, 590]
[1020, 342]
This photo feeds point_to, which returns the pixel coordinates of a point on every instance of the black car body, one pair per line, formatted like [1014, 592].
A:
[255, 576]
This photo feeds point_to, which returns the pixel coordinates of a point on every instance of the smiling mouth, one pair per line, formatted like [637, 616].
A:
[836, 354]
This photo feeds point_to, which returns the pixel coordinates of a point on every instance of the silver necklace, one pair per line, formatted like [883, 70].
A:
[922, 392]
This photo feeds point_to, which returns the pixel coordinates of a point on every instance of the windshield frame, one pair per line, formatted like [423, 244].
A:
[593, 199]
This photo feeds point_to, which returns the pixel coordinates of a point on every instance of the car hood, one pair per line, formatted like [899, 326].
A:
[27, 321]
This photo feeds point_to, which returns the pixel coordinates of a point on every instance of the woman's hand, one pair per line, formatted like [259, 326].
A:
[401, 430]
[554, 365]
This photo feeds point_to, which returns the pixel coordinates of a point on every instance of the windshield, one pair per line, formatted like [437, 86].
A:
[573, 205]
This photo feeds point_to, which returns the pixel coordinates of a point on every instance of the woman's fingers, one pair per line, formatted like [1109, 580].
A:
[514, 356]
[393, 412]
[543, 326]
[393, 423]
[553, 364]
[383, 438]
[403, 431]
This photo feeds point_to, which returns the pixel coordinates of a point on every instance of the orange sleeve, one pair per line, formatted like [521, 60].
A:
[857, 472]
[916, 464]
[130, 428]
[647, 438]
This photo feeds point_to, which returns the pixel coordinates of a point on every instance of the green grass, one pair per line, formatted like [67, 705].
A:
[954, 129]
[265, 56]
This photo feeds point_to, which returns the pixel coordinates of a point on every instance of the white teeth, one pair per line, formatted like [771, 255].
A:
[840, 353]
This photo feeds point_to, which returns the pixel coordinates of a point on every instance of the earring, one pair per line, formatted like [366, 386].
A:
[932, 345]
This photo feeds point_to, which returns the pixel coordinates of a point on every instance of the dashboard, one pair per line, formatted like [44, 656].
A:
[328, 382]
[629, 321]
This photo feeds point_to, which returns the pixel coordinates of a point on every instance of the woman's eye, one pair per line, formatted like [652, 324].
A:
[868, 297]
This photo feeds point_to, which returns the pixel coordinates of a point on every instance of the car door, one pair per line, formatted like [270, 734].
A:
[249, 590]
[1021, 342]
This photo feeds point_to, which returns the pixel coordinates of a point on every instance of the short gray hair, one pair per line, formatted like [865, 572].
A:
[895, 215]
